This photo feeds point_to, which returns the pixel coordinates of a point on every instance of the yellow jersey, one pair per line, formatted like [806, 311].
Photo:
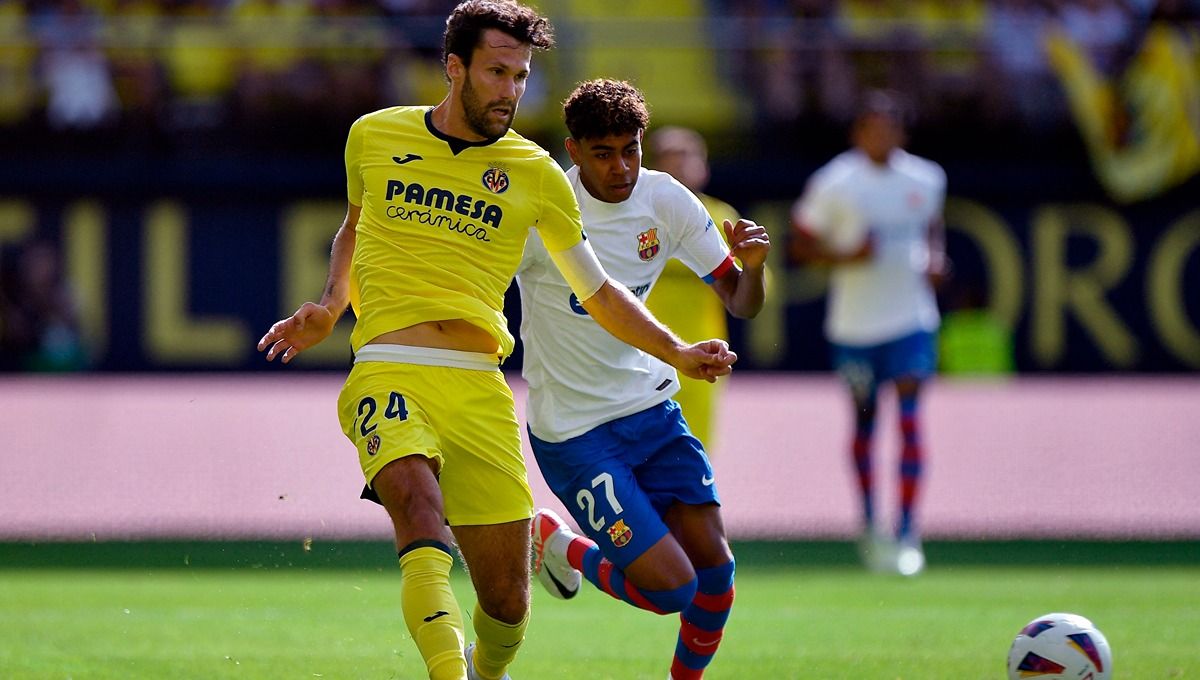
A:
[444, 221]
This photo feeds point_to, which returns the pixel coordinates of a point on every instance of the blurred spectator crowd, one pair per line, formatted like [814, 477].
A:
[290, 72]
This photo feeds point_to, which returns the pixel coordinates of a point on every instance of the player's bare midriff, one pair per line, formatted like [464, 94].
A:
[456, 334]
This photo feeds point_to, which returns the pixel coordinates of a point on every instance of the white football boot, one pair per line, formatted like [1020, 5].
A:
[551, 537]
[877, 551]
[910, 557]
[471, 675]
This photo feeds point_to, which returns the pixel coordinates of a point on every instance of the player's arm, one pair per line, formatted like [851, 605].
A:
[313, 322]
[814, 215]
[939, 265]
[806, 247]
[743, 291]
[940, 268]
[623, 315]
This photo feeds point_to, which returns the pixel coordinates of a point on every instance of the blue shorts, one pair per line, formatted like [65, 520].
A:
[865, 367]
[618, 479]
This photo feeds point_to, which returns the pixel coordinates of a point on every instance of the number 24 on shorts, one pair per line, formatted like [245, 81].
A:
[368, 406]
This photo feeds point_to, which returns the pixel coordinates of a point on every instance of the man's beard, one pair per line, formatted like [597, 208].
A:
[477, 114]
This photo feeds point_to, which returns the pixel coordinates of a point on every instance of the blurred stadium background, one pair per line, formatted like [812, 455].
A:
[171, 176]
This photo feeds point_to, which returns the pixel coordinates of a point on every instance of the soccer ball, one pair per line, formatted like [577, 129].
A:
[1060, 645]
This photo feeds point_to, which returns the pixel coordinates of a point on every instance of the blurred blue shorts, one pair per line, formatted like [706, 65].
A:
[865, 367]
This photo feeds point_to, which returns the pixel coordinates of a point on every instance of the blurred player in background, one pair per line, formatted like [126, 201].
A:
[874, 214]
[440, 204]
[609, 440]
[679, 299]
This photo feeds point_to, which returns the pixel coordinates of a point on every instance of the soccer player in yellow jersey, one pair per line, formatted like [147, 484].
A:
[680, 299]
[440, 201]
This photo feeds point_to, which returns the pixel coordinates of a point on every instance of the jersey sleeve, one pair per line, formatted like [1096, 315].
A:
[354, 179]
[560, 224]
[533, 255]
[827, 211]
[939, 186]
[702, 247]
[815, 211]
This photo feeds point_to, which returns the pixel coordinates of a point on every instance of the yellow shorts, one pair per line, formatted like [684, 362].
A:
[464, 418]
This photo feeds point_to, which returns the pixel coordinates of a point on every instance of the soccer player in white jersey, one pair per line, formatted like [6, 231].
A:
[874, 214]
[609, 440]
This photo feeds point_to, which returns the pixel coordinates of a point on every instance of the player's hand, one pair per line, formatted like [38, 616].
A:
[864, 252]
[288, 337]
[940, 270]
[706, 360]
[748, 242]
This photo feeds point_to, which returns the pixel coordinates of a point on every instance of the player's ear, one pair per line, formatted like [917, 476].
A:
[572, 149]
[455, 68]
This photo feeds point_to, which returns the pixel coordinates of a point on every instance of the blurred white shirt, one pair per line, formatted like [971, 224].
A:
[851, 199]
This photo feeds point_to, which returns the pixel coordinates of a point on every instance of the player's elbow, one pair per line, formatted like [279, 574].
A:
[745, 312]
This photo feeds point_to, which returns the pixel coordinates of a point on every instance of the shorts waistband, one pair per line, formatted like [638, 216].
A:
[428, 356]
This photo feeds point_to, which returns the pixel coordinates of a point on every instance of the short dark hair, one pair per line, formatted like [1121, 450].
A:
[884, 103]
[470, 19]
[599, 108]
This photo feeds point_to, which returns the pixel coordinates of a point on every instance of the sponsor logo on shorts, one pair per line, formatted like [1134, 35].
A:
[373, 445]
[707, 480]
[620, 534]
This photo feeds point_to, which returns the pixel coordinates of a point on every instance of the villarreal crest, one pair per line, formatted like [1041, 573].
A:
[495, 179]
[648, 244]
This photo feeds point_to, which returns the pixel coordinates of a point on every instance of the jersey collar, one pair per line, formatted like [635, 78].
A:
[456, 145]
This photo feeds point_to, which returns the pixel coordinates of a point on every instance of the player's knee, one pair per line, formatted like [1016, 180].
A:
[507, 605]
[908, 386]
[503, 594]
[718, 579]
[674, 600]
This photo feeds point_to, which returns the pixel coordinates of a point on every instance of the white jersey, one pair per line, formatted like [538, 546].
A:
[579, 375]
[850, 199]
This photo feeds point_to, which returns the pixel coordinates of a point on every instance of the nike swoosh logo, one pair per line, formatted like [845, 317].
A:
[562, 589]
[707, 481]
[698, 643]
[437, 615]
[407, 158]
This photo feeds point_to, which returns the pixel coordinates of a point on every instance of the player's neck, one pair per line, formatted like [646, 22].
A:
[450, 119]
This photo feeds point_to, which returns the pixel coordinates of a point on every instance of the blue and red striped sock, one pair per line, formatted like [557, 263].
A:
[864, 428]
[584, 555]
[702, 623]
[911, 464]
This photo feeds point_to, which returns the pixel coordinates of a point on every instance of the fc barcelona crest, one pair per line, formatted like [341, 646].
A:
[648, 244]
[495, 180]
[620, 534]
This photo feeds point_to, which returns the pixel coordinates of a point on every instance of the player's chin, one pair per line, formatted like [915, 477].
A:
[500, 121]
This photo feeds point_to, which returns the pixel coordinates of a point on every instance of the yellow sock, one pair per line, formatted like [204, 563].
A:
[496, 643]
[431, 612]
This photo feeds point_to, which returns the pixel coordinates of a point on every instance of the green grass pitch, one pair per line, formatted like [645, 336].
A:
[831, 621]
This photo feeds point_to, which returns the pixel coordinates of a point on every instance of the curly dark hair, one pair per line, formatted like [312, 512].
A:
[470, 19]
[603, 107]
